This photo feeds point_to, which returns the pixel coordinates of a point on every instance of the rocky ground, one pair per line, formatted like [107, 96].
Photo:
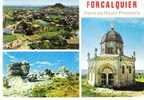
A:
[89, 91]
[20, 87]
[110, 92]
[17, 87]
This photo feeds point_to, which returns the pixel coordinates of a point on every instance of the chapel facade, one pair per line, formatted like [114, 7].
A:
[111, 68]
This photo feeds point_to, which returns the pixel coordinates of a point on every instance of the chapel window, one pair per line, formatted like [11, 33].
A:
[103, 79]
[123, 69]
[110, 50]
[111, 79]
[130, 70]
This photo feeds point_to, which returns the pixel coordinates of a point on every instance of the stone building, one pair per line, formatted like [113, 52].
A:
[112, 68]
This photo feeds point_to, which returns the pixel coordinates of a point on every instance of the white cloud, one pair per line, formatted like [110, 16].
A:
[126, 20]
[131, 20]
[84, 64]
[11, 58]
[41, 63]
[34, 71]
[139, 64]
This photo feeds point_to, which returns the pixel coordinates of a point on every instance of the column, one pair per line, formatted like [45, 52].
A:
[107, 79]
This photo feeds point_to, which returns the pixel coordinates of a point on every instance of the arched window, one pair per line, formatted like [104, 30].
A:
[103, 79]
[123, 69]
[110, 50]
[130, 70]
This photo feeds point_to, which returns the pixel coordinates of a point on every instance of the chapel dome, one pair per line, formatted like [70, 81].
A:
[112, 35]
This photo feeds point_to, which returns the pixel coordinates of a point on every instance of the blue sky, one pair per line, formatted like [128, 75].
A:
[42, 60]
[39, 2]
[131, 30]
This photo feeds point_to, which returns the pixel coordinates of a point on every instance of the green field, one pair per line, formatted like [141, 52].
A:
[48, 34]
[86, 89]
[9, 38]
[140, 80]
[58, 88]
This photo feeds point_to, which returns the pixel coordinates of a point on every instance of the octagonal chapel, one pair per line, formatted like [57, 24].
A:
[111, 68]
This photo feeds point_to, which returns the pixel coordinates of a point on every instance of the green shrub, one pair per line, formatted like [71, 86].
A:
[48, 34]
[60, 87]
[86, 89]
[38, 91]
[33, 46]
[44, 44]
[5, 83]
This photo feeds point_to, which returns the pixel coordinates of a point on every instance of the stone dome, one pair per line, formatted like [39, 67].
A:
[112, 35]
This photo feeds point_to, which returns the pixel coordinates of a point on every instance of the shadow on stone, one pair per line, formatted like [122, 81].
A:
[139, 86]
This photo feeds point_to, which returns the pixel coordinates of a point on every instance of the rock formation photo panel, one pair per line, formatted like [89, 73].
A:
[41, 74]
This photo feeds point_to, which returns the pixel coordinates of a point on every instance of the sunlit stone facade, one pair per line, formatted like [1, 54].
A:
[111, 68]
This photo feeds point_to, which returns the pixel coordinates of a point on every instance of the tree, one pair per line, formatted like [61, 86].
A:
[49, 72]
[57, 42]
[44, 44]
[63, 69]
[27, 27]
[66, 34]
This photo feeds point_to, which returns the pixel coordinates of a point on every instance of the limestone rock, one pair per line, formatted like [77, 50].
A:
[19, 69]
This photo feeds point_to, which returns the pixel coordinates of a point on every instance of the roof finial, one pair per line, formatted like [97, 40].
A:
[112, 25]
[88, 55]
[95, 52]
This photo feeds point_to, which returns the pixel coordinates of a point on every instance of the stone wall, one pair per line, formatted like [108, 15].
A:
[115, 63]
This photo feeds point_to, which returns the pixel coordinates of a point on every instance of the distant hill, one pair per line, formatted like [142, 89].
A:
[139, 71]
[59, 5]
